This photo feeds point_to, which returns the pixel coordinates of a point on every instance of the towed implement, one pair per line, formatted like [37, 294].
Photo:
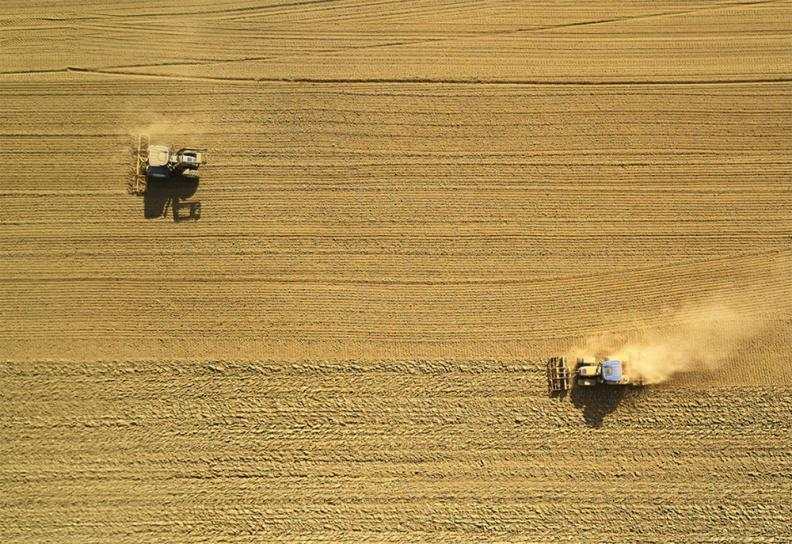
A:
[588, 372]
[557, 375]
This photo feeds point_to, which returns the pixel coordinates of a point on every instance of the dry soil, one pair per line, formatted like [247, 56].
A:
[407, 205]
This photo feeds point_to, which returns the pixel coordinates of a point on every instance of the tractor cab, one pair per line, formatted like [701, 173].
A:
[189, 156]
[158, 162]
[612, 371]
[185, 162]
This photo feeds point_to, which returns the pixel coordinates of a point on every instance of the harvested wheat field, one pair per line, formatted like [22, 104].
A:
[407, 207]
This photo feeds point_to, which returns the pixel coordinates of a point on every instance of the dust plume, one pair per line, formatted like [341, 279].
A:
[161, 126]
[703, 338]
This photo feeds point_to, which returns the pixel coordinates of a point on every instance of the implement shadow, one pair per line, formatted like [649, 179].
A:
[561, 395]
[162, 194]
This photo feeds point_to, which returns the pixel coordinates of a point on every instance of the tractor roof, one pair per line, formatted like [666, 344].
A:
[612, 370]
[158, 155]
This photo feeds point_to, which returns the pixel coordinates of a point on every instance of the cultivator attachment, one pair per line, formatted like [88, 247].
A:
[139, 179]
[557, 375]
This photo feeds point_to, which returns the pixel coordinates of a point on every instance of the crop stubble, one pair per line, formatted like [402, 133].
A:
[469, 187]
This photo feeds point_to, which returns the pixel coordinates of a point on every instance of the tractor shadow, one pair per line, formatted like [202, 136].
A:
[599, 401]
[162, 195]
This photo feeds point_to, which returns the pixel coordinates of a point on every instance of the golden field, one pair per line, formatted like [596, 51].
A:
[407, 207]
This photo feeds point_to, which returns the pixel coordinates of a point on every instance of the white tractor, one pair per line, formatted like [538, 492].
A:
[588, 372]
[164, 163]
